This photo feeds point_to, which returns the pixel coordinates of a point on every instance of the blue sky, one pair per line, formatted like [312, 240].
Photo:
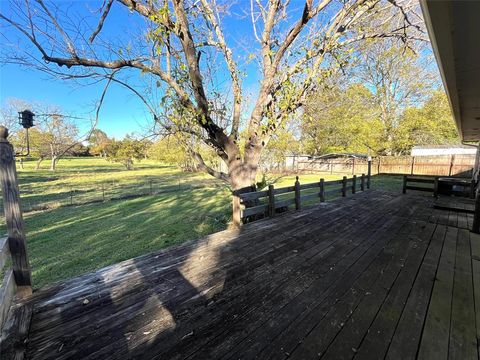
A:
[121, 112]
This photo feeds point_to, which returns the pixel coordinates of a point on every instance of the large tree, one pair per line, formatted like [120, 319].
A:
[398, 78]
[187, 50]
[430, 124]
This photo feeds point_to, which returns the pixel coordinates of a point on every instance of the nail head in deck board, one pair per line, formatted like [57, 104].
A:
[463, 337]
[436, 332]
[407, 335]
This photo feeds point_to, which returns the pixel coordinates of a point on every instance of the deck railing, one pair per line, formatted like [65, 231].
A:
[16, 278]
[269, 202]
[430, 184]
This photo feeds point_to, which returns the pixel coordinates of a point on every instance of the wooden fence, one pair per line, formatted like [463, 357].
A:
[13, 253]
[101, 192]
[444, 165]
[257, 204]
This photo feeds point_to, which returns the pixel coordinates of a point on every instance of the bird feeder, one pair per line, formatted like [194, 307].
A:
[25, 118]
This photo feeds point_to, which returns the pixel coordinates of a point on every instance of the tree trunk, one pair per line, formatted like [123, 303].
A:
[39, 161]
[53, 164]
[128, 164]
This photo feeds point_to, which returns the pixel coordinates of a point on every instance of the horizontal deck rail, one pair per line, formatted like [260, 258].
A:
[430, 184]
[269, 202]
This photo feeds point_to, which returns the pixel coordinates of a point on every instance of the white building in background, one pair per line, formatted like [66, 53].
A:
[431, 150]
[291, 160]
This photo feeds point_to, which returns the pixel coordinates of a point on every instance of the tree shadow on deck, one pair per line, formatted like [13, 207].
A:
[194, 297]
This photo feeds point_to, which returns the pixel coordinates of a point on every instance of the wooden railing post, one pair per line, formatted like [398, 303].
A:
[452, 160]
[322, 190]
[404, 189]
[354, 184]
[412, 166]
[476, 215]
[236, 210]
[344, 186]
[271, 200]
[435, 187]
[14, 216]
[362, 183]
[369, 171]
[472, 189]
[298, 204]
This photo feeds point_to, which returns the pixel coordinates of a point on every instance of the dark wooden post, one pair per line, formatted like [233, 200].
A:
[476, 215]
[413, 164]
[452, 159]
[271, 201]
[353, 166]
[404, 189]
[472, 189]
[103, 191]
[322, 190]
[369, 171]
[298, 204]
[378, 165]
[362, 183]
[344, 186]
[236, 210]
[354, 184]
[14, 217]
[435, 187]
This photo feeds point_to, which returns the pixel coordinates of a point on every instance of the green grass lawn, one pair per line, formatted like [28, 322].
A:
[65, 241]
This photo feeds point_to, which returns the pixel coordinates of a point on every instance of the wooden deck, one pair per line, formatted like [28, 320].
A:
[372, 276]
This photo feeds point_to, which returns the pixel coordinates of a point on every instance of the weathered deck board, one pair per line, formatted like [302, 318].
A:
[366, 277]
[404, 343]
[463, 337]
[435, 338]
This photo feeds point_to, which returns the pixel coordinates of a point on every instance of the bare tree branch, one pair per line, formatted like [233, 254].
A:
[102, 20]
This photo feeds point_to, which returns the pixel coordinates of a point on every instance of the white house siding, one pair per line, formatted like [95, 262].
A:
[470, 150]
